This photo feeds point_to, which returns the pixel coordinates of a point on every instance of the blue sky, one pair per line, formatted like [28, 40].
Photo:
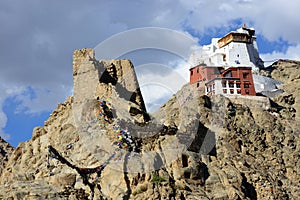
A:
[37, 39]
[19, 124]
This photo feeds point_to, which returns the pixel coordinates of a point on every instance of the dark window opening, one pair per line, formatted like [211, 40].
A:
[197, 84]
[216, 71]
[192, 73]
[231, 91]
[238, 85]
[231, 85]
[224, 91]
[223, 83]
[245, 74]
[229, 74]
[246, 85]
[247, 91]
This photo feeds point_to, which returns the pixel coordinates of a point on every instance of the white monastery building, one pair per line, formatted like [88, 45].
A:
[237, 48]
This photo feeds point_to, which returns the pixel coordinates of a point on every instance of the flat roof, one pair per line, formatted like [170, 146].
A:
[233, 33]
[222, 78]
[239, 67]
[205, 66]
[227, 68]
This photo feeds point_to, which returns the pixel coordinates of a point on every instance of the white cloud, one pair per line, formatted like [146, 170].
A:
[179, 43]
[3, 121]
[43, 100]
[156, 87]
[6, 91]
[272, 18]
[293, 53]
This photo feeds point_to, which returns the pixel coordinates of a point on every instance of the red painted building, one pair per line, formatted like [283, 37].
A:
[217, 80]
[202, 73]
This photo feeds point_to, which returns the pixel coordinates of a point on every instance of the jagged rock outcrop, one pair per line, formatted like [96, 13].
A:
[5, 151]
[287, 71]
[194, 147]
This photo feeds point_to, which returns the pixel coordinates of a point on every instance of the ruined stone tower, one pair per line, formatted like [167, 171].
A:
[106, 79]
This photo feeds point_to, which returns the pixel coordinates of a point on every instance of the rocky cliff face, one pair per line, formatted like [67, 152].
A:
[194, 147]
[5, 151]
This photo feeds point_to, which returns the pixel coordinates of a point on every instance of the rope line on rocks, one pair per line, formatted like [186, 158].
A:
[53, 153]
[83, 172]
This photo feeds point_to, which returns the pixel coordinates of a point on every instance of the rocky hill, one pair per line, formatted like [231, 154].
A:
[102, 144]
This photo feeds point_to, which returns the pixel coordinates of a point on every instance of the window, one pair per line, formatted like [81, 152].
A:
[246, 85]
[239, 91]
[224, 57]
[231, 85]
[238, 85]
[231, 92]
[197, 70]
[216, 71]
[245, 75]
[191, 72]
[197, 84]
[229, 74]
[237, 62]
[224, 91]
[247, 91]
[223, 83]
